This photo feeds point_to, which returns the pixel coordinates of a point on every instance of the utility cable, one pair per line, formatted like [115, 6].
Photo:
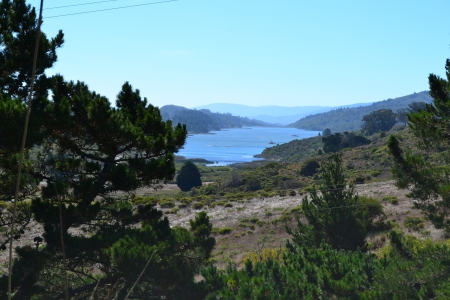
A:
[108, 9]
[81, 4]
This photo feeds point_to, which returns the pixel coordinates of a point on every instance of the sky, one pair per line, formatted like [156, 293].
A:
[266, 52]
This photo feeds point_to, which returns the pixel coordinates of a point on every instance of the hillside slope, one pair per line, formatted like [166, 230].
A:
[203, 121]
[349, 119]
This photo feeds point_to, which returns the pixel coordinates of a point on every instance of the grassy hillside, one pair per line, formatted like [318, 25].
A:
[294, 151]
[349, 119]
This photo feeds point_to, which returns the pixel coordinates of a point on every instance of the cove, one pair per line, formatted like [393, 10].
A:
[239, 145]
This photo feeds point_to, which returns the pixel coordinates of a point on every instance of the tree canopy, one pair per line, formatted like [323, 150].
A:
[342, 228]
[91, 150]
[428, 182]
[379, 120]
[188, 177]
[18, 26]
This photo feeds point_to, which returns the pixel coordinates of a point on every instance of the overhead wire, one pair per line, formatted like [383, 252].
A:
[109, 9]
[80, 4]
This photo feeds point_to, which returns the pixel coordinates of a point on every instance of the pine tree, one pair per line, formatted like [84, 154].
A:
[92, 150]
[332, 215]
[18, 26]
[428, 182]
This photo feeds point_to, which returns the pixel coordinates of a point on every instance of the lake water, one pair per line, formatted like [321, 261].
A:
[239, 145]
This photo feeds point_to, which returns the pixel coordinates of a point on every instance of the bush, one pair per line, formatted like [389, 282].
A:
[309, 167]
[414, 223]
[225, 230]
[254, 219]
[166, 204]
[391, 199]
[371, 206]
[292, 184]
[188, 177]
[198, 205]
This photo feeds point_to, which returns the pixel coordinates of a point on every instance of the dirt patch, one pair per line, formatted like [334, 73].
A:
[249, 236]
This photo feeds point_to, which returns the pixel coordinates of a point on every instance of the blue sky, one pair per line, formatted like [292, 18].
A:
[285, 52]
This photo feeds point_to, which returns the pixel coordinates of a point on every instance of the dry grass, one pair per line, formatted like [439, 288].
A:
[253, 236]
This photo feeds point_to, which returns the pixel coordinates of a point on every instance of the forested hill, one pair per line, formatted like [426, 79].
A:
[349, 119]
[203, 121]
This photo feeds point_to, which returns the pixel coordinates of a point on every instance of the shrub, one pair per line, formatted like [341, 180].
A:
[188, 177]
[414, 223]
[391, 199]
[225, 230]
[198, 205]
[172, 211]
[309, 167]
[254, 219]
[292, 184]
[253, 184]
[144, 200]
[166, 203]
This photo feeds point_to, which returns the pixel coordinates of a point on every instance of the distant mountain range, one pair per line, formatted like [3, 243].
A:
[273, 114]
[203, 121]
[349, 119]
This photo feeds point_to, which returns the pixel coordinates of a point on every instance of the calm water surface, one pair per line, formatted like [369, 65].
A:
[239, 145]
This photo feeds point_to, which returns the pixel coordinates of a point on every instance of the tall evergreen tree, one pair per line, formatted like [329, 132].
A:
[18, 26]
[92, 150]
[428, 182]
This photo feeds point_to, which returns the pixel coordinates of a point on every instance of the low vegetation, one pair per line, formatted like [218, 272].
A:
[313, 235]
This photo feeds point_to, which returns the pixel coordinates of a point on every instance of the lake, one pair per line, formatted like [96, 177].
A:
[239, 145]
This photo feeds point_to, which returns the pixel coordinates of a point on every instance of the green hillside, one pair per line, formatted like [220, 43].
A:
[203, 121]
[349, 119]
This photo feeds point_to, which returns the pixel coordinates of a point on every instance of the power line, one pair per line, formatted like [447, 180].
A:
[81, 4]
[107, 9]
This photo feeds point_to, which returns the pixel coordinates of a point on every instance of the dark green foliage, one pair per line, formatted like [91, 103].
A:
[253, 183]
[121, 252]
[413, 269]
[338, 141]
[304, 273]
[415, 107]
[89, 151]
[349, 119]
[188, 177]
[414, 223]
[196, 121]
[98, 149]
[18, 23]
[203, 121]
[333, 216]
[332, 143]
[326, 132]
[425, 179]
[309, 167]
[18, 27]
[379, 120]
